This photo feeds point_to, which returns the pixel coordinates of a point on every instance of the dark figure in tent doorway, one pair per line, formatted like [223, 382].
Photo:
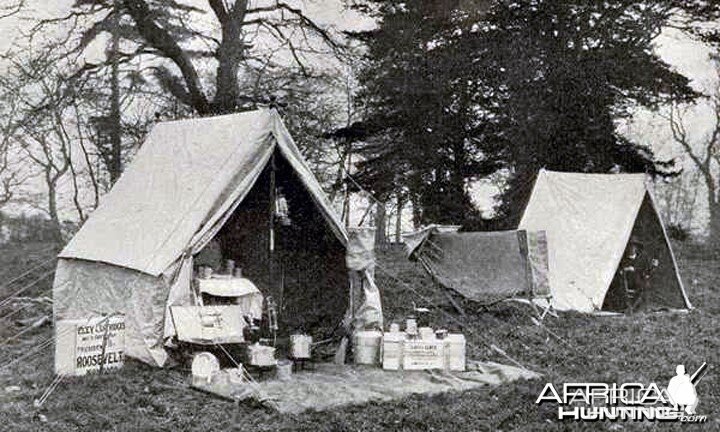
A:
[636, 268]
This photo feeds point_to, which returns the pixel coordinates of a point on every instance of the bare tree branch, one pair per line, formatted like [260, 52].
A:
[161, 40]
[11, 9]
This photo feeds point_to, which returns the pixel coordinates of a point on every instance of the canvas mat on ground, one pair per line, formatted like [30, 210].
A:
[331, 386]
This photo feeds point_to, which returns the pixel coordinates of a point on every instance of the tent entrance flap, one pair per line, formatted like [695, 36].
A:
[293, 256]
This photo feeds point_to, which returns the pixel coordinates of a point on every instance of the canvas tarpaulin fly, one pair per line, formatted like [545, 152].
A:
[134, 255]
[589, 219]
[482, 266]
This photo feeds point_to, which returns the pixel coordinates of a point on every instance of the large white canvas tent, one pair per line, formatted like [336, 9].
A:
[589, 219]
[191, 182]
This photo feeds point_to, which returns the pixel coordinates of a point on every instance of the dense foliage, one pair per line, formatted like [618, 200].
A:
[470, 89]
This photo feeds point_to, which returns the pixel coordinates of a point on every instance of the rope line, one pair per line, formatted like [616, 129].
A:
[347, 174]
[43, 293]
[35, 326]
[26, 253]
[46, 394]
[452, 318]
[39, 347]
[8, 315]
[253, 383]
[9, 298]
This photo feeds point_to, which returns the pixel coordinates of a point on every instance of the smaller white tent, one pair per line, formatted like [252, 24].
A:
[589, 219]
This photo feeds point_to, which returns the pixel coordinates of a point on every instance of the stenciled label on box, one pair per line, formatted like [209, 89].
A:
[99, 342]
[422, 354]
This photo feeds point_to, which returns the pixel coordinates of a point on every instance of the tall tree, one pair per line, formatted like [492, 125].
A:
[705, 157]
[421, 124]
[242, 35]
[462, 91]
[210, 57]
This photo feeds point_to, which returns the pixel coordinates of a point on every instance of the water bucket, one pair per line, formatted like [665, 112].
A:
[204, 366]
[261, 355]
[283, 371]
[300, 345]
[366, 347]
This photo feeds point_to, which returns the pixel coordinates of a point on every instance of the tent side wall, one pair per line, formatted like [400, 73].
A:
[86, 288]
[482, 266]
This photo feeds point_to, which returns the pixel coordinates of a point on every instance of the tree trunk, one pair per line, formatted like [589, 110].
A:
[416, 211]
[398, 218]
[115, 166]
[52, 207]
[346, 198]
[229, 54]
[714, 212]
[380, 233]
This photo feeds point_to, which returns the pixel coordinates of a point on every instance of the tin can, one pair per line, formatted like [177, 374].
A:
[426, 333]
[230, 267]
[411, 326]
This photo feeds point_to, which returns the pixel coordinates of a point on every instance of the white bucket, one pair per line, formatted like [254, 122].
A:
[283, 371]
[261, 355]
[300, 346]
[204, 366]
[366, 347]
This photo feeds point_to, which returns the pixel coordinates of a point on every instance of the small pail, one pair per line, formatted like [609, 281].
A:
[300, 346]
[283, 370]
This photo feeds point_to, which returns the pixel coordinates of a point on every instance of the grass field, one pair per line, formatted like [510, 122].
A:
[572, 348]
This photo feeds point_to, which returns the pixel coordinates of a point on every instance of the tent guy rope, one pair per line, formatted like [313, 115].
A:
[457, 321]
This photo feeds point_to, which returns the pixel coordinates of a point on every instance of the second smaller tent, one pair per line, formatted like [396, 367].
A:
[484, 267]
